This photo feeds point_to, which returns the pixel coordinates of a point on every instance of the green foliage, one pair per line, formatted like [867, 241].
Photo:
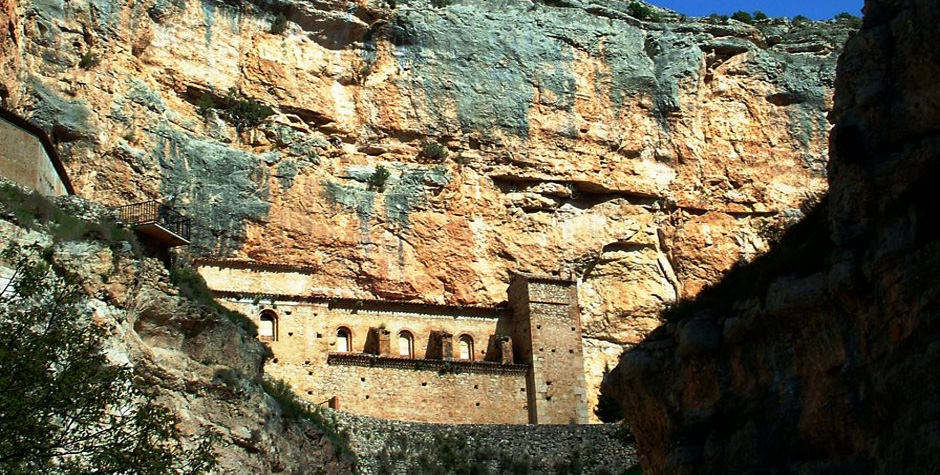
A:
[760, 16]
[242, 113]
[433, 151]
[64, 408]
[641, 11]
[205, 103]
[849, 20]
[294, 410]
[743, 17]
[378, 179]
[801, 20]
[634, 470]
[34, 211]
[717, 19]
[246, 113]
[193, 287]
[89, 60]
[279, 24]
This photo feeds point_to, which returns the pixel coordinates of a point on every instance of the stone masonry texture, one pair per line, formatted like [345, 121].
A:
[395, 447]
[329, 349]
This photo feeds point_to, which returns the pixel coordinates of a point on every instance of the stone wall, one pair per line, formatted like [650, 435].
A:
[403, 360]
[237, 276]
[394, 447]
[396, 387]
[24, 160]
[546, 311]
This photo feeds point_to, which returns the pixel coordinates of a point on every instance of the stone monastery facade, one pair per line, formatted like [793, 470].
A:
[416, 361]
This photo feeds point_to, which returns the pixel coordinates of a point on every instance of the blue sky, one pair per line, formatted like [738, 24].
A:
[815, 9]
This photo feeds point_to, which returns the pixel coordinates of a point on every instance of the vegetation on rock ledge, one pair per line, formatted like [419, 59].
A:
[244, 114]
[293, 409]
[64, 407]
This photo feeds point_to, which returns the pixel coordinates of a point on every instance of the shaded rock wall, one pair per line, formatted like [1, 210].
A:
[579, 138]
[203, 367]
[821, 356]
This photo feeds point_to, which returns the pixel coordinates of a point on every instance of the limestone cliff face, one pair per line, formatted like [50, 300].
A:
[822, 356]
[201, 366]
[644, 157]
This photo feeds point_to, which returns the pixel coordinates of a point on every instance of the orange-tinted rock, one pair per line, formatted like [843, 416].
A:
[578, 141]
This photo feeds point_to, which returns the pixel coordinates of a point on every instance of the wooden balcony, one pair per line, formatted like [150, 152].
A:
[158, 222]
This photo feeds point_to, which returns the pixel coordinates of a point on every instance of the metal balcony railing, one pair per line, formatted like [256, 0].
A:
[156, 219]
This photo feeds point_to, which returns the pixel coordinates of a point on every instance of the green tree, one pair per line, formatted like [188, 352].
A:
[743, 17]
[64, 408]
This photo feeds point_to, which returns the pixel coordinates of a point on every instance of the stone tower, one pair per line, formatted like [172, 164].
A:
[547, 332]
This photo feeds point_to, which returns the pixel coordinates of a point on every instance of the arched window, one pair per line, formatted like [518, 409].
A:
[267, 329]
[406, 344]
[343, 340]
[466, 347]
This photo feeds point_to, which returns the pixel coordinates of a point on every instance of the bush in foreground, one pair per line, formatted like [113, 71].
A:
[64, 408]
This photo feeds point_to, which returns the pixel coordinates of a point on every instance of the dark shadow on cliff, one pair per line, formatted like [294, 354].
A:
[800, 251]
[819, 356]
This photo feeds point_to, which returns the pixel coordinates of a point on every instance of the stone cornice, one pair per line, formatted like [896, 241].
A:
[441, 366]
[233, 263]
[375, 304]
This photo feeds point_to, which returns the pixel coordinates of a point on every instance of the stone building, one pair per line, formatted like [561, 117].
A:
[411, 361]
[28, 158]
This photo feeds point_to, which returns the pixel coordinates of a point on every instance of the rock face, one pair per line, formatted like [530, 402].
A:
[821, 357]
[203, 367]
[644, 157]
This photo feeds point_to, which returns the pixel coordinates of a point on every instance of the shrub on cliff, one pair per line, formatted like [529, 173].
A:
[242, 113]
[64, 407]
[89, 60]
[849, 20]
[278, 24]
[717, 19]
[378, 179]
[295, 410]
[743, 17]
[205, 103]
[801, 20]
[246, 113]
[433, 151]
[641, 11]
